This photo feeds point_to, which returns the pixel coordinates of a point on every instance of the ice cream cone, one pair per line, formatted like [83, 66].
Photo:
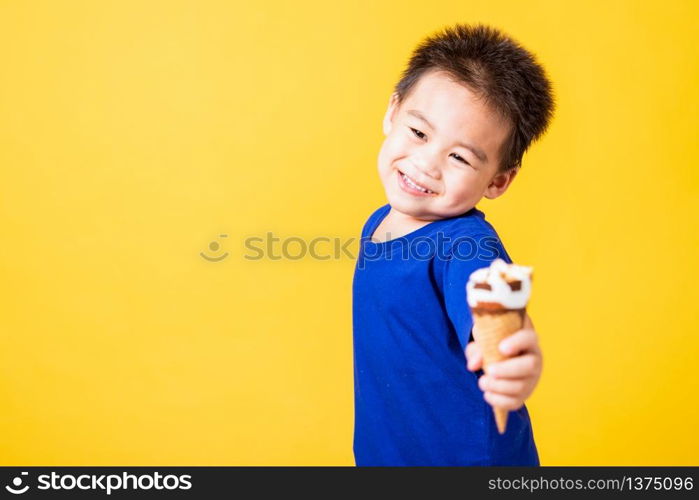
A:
[497, 296]
[489, 329]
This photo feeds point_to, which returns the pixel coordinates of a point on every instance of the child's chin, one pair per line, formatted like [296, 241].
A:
[398, 196]
[415, 209]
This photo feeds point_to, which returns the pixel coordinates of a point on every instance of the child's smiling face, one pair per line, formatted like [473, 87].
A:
[426, 139]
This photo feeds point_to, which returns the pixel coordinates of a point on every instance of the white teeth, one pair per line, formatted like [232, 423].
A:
[412, 184]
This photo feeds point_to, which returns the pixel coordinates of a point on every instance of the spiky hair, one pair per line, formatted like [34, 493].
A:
[498, 70]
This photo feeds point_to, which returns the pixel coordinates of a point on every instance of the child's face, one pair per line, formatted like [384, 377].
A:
[434, 156]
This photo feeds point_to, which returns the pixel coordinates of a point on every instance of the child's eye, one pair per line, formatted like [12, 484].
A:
[417, 132]
[460, 159]
[421, 135]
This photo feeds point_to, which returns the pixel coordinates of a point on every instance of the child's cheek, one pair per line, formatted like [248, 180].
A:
[388, 155]
[401, 148]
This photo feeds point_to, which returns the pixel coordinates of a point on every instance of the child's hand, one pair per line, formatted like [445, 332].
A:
[510, 382]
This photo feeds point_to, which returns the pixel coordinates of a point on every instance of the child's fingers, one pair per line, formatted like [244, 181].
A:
[502, 401]
[523, 366]
[504, 386]
[473, 356]
[520, 341]
[528, 325]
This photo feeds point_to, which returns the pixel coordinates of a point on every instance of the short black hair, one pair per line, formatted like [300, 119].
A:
[498, 70]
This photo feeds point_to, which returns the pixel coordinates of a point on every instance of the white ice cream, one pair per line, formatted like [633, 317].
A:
[496, 277]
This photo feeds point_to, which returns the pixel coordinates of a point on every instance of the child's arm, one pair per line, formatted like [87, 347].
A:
[510, 382]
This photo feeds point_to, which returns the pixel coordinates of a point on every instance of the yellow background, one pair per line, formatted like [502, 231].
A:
[132, 134]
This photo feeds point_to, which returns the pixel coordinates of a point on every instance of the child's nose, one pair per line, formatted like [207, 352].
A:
[429, 165]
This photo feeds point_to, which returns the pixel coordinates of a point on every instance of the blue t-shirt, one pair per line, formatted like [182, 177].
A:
[415, 401]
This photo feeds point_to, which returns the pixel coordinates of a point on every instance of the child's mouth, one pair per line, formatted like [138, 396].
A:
[411, 186]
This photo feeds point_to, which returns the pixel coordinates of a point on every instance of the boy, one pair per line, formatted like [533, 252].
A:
[461, 117]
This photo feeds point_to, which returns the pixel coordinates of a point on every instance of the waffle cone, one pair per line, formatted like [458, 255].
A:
[490, 327]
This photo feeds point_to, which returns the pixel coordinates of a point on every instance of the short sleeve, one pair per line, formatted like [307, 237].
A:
[459, 265]
[379, 213]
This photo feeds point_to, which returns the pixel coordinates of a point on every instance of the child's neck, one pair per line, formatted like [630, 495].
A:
[395, 225]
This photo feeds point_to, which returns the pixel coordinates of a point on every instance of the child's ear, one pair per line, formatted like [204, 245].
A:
[390, 114]
[499, 183]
